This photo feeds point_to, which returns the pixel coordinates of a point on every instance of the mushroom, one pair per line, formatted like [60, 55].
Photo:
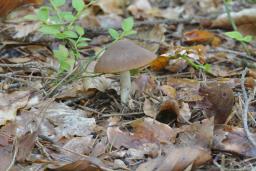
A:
[121, 57]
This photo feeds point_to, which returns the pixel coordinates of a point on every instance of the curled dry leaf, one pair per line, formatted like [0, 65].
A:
[220, 99]
[233, 140]
[176, 65]
[201, 36]
[159, 63]
[145, 131]
[10, 103]
[169, 110]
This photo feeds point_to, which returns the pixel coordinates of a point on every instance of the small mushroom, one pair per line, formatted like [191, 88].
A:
[121, 57]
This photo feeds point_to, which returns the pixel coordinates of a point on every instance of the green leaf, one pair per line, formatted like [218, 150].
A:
[50, 29]
[79, 30]
[113, 33]
[68, 16]
[238, 36]
[247, 38]
[58, 3]
[131, 32]
[78, 5]
[82, 44]
[61, 53]
[43, 14]
[127, 24]
[84, 39]
[234, 35]
[70, 34]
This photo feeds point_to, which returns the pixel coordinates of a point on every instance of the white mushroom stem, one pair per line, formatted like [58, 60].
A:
[125, 86]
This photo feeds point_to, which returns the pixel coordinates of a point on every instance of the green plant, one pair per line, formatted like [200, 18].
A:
[62, 25]
[236, 35]
[197, 66]
[127, 29]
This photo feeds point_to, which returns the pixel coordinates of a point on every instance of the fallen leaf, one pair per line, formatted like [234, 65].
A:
[168, 111]
[233, 140]
[160, 63]
[244, 19]
[169, 91]
[80, 165]
[110, 6]
[177, 159]
[149, 108]
[139, 8]
[220, 98]
[176, 65]
[145, 131]
[184, 114]
[10, 103]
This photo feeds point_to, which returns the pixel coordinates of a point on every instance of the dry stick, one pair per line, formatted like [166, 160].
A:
[245, 110]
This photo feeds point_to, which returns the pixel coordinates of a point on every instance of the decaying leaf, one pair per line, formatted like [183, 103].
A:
[139, 8]
[149, 108]
[168, 111]
[233, 140]
[169, 91]
[193, 147]
[160, 63]
[10, 103]
[68, 122]
[80, 165]
[184, 114]
[201, 36]
[145, 131]
[220, 98]
[7, 134]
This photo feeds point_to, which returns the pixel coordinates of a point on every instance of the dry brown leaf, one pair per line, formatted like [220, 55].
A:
[233, 140]
[111, 6]
[220, 99]
[177, 159]
[7, 6]
[201, 36]
[145, 131]
[184, 114]
[168, 111]
[80, 165]
[7, 134]
[25, 146]
[149, 108]
[160, 63]
[176, 65]
[143, 83]
[139, 8]
[150, 37]
[10, 103]
[169, 91]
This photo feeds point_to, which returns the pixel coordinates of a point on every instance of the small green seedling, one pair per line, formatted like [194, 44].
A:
[61, 25]
[127, 29]
[236, 35]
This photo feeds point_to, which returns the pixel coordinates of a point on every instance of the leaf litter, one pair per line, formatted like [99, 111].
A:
[181, 114]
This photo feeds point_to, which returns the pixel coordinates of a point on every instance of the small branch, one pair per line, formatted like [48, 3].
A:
[245, 110]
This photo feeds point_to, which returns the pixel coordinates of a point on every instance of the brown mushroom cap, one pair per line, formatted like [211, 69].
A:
[122, 56]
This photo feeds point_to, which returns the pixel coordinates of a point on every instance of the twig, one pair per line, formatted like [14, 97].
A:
[245, 110]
